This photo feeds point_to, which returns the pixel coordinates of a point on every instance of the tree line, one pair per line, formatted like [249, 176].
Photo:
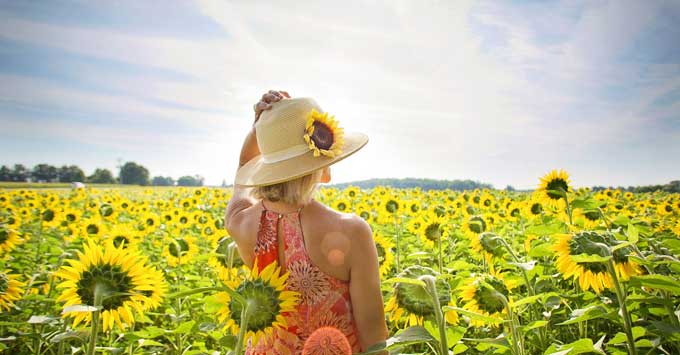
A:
[130, 173]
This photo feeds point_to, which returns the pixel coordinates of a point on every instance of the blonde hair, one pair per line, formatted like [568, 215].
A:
[296, 191]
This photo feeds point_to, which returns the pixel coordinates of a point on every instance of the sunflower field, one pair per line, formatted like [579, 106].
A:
[556, 271]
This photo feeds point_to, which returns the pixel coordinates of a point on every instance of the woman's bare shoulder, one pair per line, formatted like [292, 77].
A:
[349, 223]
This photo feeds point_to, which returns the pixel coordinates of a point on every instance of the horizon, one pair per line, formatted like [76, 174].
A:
[445, 91]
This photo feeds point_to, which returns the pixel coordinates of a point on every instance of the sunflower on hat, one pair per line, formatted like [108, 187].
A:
[323, 134]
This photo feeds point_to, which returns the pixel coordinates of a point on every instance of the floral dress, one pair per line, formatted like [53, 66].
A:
[324, 299]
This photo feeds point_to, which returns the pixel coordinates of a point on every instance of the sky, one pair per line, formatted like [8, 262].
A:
[500, 92]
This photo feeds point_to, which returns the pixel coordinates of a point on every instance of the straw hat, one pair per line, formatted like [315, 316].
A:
[296, 137]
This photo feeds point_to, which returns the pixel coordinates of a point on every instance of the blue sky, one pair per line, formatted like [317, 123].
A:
[500, 92]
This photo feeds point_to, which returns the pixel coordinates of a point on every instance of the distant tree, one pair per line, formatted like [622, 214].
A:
[44, 172]
[195, 180]
[70, 174]
[101, 176]
[20, 173]
[133, 174]
[5, 173]
[162, 181]
[509, 188]
[224, 183]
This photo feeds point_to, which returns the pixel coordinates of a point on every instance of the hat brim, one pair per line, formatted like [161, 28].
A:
[258, 173]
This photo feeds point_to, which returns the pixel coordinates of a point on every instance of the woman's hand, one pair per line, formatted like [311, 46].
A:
[267, 100]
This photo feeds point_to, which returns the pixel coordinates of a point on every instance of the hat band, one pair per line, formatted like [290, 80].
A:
[285, 154]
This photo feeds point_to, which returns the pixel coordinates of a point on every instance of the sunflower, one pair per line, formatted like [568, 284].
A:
[533, 208]
[71, 216]
[482, 294]
[592, 274]
[411, 303]
[10, 290]
[9, 239]
[385, 253]
[92, 227]
[552, 187]
[488, 246]
[124, 277]
[588, 219]
[323, 135]
[363, 210]
[50, 217]
[432, 229]
[123, 235]
[342, 205]
[219, 260]
[149, 222]
[475, 225]
[352, 192]
[269, 299]
[180, 250]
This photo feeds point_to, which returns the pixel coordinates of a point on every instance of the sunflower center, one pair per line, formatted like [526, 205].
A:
[414, 298]
[365, 215]
[391, 206]
[178, 248]
[121, 240]
[592, 215]
[515, 212]
[322, 135]
[415, 207]
[265, 301]
[555, 186]
[4, 234]
[47, 215]
[381, 252]
[115, 282]
[70, 217]
[433, 232]
[106, 210]
[342, 206]
[536, 208]
[92, 229]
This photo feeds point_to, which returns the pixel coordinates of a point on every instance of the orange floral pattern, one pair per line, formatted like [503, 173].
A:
[325, 300]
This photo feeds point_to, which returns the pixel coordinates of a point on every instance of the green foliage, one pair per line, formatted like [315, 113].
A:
[134, 174]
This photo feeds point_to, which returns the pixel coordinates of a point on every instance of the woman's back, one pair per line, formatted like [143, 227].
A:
[312, 245]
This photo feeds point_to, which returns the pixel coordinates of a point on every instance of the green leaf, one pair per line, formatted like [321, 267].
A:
[410, 335]
[547, 228]
[633, 235]
[41, 319]
[584, 314]
[185, 327]
[536, 324]
[148, 342]
[668, 330]
[500, 342]
[81, 335]
[541, 250]
[580, 346]
[656, 281]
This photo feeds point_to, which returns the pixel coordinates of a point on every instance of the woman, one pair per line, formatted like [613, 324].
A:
[331, 256]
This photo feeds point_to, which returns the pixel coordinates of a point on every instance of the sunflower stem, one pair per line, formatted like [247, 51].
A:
[566, 200]
[439, 240]
[397, 227]
[99, 291]
[245, 314]
[624, 311]
[431, 288]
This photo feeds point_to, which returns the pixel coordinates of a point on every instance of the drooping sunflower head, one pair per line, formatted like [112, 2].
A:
[9, 238]
[323, 135]
[432, 229]
[268, 300]
[488, 245]
[412, 303]
[484, 294]
[553, 187]
[592, 274]
[475, 225]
